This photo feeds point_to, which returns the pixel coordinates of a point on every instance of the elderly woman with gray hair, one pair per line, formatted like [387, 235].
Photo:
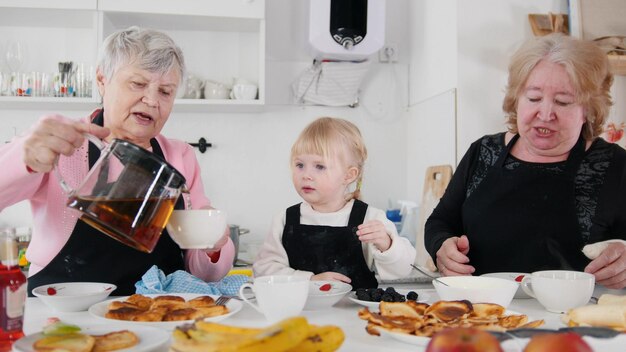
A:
[534, 197]
[138, 74]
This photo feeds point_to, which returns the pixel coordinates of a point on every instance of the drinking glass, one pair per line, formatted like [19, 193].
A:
[15, 55]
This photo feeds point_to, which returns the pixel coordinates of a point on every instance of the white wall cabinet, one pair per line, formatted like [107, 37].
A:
[221, 39]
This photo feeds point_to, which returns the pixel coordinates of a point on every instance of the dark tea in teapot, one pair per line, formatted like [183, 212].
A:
[135, 222]
[128, 194]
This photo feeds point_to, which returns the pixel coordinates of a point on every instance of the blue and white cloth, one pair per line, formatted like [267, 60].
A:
[154, 281]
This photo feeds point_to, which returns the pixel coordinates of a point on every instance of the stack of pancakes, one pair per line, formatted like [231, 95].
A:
[164, 308]
[422, 319]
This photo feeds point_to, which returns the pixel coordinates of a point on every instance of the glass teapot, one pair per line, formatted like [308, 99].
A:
[128, 194]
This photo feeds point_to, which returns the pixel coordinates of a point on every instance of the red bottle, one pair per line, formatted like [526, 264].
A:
[12, 291]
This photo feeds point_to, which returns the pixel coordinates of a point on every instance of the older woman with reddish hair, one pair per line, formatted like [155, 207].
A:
[533, 197]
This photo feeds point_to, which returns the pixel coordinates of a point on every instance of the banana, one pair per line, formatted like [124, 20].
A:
[325, 338]
[225, 329]
[201, 341]
[281, 336]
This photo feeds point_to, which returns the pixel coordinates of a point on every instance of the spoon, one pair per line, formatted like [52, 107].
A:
[428, 274]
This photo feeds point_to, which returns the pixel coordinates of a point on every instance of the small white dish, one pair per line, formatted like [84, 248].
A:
[476, 289]
[99, 310]
[517, 277]
[150, 339]
[421, 297]
[322, 298]
[73, 296]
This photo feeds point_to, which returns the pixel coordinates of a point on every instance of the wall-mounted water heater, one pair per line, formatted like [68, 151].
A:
[346, 29]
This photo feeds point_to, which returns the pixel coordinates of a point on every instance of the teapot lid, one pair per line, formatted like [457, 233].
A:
[149, 160]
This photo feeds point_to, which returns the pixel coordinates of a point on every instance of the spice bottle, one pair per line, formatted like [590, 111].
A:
[12, 291]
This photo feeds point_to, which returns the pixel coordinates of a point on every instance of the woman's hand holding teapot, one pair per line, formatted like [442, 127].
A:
[54, 135]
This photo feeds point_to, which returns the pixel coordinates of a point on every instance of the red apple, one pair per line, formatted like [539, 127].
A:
[562, 342]
[463, 340]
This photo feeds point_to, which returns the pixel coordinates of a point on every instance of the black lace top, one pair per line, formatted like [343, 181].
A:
[599, 190]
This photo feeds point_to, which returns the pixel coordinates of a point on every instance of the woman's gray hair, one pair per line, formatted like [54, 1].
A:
[150, 49]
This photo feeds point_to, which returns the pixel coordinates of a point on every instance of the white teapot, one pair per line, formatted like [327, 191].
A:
[193, 87]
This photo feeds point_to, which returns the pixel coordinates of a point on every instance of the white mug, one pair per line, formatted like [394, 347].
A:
[559, 290]
[278, 296]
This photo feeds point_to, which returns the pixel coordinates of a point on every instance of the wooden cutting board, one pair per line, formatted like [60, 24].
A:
[435, 183]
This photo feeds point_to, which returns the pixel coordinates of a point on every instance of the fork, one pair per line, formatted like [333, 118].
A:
[222, 300]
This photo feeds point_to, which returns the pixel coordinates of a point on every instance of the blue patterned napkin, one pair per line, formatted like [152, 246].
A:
[155, 281]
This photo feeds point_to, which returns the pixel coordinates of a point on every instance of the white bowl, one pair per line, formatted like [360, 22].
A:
[514, 277]
[73, 296]
[197, 228]
[476, 289]
[319, 299]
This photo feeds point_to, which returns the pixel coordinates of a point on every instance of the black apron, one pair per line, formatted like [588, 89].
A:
[524, 220]
[91, 256]
[318, 248]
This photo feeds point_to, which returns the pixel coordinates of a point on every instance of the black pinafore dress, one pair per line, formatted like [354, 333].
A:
[318, 248]
[525, 219]
[91, 256]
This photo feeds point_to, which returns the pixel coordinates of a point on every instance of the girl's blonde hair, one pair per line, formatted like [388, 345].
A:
[334, 138]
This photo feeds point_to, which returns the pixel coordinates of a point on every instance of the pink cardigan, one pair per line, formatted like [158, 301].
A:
[53, 222]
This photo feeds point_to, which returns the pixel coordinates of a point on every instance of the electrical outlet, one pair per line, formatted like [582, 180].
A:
[389, 53]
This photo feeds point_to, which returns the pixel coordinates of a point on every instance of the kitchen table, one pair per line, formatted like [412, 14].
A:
[343, 314]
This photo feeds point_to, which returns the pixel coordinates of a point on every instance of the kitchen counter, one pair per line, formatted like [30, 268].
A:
[343, 314]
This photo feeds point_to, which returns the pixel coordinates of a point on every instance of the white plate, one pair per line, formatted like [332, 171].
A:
[615, 344]
[98, 310]
[421, 297]
[406, 338]
[422, 340]
[150, 338]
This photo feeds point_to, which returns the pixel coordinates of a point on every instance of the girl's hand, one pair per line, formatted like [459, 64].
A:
[54, 135]
[452, 257]
[331, 276]
[609, 267]
[374, 232]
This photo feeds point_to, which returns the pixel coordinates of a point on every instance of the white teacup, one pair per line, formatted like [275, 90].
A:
[244, 91]
[278, 296]
[559, 290]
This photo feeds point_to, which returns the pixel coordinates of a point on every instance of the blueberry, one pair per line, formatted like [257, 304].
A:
[390, 290]
[363, 296]
[376, 297]
[387, 298]
[411, 296]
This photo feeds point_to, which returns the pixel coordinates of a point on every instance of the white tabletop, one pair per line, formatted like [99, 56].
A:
[343, 314]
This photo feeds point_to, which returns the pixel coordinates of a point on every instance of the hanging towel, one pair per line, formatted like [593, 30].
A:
[330, 83]
[154, 281]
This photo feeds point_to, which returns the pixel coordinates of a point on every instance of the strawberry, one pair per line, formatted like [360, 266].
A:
[325, 287]
[519, 278]
[51, 291]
